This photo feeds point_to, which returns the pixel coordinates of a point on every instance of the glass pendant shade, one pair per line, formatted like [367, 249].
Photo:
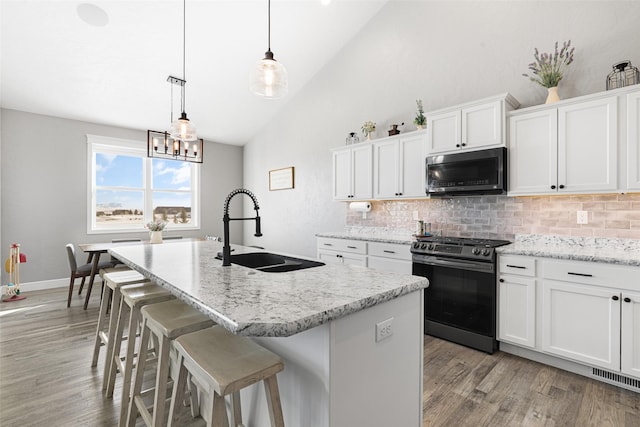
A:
[269, 78]
[183, 129]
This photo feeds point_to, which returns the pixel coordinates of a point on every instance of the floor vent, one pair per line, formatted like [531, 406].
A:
[632, 382]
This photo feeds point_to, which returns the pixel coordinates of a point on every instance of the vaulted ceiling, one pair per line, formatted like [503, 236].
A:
[107, 61]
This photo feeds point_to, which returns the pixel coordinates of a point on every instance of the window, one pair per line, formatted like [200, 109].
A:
[127, 189]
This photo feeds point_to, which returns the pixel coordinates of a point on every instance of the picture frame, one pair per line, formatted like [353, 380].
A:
[281, 179]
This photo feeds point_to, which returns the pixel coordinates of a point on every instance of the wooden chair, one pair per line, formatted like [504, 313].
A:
[163, 322]
[82, 271]
[225, 363]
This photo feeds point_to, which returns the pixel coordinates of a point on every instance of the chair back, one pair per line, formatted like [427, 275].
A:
[71, 253]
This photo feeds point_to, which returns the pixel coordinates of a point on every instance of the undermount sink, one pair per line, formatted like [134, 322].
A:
[272, 263]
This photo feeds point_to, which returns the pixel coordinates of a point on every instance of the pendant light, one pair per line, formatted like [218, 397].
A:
[182, 128]
[269, 77]
[181, 142]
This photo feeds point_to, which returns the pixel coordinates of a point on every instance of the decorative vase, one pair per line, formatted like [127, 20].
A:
[553, 95]
[155, 236]
[420, 127]
[369, 137]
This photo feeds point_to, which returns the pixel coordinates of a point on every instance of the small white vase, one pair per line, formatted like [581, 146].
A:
[552, 95]
[155, 236]
[420, 127]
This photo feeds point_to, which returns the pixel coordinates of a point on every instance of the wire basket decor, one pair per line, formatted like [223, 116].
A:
[623, 74]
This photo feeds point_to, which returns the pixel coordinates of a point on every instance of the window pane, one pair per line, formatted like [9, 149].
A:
[171, 175]
[172, 207]
[117, 209]
[115, 170]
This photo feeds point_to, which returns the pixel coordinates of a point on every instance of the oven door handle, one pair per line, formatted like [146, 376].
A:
[484, 267]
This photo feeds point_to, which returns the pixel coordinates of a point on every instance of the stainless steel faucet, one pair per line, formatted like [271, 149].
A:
[226, 249]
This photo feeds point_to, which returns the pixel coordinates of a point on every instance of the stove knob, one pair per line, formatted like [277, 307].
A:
[431, 246]
[423, 246]
[416, 245]
[475, 251]
[486, 252]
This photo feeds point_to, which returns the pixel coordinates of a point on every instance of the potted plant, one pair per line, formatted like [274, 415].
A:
[155, 230]
[548, 69]
[368, 128]
[420, 121]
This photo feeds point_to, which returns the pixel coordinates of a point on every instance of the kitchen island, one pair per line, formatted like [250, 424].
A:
[351, 337]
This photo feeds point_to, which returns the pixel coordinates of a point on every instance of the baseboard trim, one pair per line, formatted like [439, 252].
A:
[50, 284]
[567, 365]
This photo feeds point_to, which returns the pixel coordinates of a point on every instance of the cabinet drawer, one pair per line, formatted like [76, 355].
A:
[343, 245]
[390, 250]
[618, 276]
[520, 265]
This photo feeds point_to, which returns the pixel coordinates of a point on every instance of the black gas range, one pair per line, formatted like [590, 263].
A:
[460, 302]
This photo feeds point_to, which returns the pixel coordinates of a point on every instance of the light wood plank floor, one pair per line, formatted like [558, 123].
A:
[46, 378]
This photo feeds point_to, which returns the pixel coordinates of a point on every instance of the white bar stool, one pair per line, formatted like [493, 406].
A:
[114, 279]
[226, 363]
[135, 297]
[166, 321]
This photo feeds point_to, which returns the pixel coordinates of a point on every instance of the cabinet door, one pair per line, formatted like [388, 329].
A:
[533, 148]
[412, 169]
[482, 125]
[633, 141]
[385, 169]
[354, 259]
[588, 146]
[517, 315]
[581, 323]
[631, 334]
[443, 131]
[329, 257]
[362, 168]
[342, 174]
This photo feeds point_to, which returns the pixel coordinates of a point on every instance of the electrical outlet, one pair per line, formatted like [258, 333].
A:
[416, 215]
[583, 217]
[384, 329]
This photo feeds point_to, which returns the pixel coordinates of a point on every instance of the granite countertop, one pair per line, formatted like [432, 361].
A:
[611, 251]
[255, 303]
[403, 239]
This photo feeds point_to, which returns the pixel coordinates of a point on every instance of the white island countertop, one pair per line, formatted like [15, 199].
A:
[261, 304]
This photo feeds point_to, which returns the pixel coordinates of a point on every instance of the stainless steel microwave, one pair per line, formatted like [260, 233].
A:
[468, 173]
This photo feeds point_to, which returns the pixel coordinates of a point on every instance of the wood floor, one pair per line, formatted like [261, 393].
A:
[46, 378]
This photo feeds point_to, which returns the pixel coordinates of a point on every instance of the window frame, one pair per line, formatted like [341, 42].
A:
[125, 147]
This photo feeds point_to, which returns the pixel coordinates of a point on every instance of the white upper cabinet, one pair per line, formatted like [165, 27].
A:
[633, 141]
[588, 146]
[352, 172]
[475, 125]
[399, 167]
[570, 148]
[533, 152]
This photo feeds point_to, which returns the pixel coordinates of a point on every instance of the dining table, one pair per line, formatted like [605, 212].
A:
[95, 250]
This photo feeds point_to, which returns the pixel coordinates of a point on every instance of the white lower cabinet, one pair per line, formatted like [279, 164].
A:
[342, 251]
[630, 333]
[390, 257]
[586, 312]
[582, 323]
[517, 301]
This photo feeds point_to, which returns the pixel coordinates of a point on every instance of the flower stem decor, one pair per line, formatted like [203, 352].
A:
[420, 121]
[548, 68]
[157, 225]
[368, 128]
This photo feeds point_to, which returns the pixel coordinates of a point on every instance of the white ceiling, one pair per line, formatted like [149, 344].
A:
[55, 63]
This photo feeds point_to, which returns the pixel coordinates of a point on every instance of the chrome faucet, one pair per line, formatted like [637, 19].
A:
[226, 249]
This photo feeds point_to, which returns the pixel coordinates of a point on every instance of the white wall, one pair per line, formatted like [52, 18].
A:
[44, 189]
[442, 52]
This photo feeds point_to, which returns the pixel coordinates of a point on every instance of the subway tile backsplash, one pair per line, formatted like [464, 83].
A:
[502, 217]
